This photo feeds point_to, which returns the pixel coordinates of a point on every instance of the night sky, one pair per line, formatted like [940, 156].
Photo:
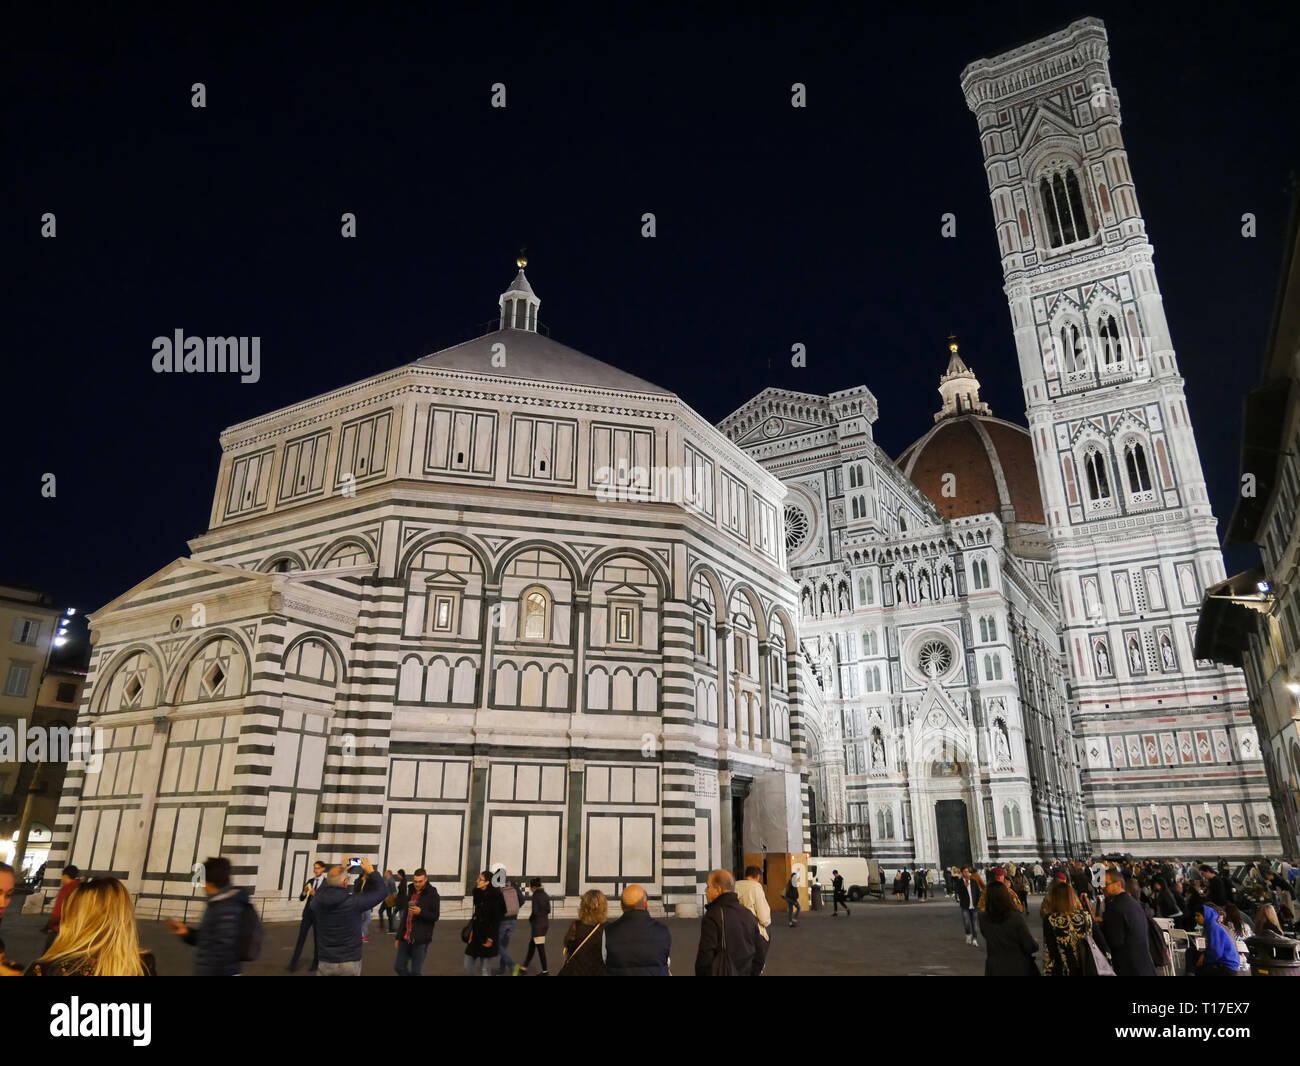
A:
[775, 225]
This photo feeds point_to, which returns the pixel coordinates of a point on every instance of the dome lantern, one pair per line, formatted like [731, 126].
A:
[959, 388]
[519, 304]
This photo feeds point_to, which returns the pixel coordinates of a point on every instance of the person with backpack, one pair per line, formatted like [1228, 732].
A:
[230, 933]
[728, 932]
[416, 933]
[510, 894]
[338, 919]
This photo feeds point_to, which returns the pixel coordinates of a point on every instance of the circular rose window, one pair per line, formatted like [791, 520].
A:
[796, 528]
[935, 658]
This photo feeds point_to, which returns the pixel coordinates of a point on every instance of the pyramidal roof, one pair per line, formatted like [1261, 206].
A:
[531, 357]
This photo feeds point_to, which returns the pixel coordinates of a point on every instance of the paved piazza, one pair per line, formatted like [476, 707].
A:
[879, 939]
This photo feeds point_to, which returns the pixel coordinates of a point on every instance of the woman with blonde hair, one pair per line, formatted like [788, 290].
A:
[584, 954]
[1067, 925]
[97, 936]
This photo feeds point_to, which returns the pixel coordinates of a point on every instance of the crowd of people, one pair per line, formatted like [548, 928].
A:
[1100, 919]
[1097, 920]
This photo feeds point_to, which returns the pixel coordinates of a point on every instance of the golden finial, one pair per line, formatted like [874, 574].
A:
[952, 343]
[521, 259]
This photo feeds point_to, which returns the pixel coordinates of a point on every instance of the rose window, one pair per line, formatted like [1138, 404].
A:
[796, 528]
[935, 658]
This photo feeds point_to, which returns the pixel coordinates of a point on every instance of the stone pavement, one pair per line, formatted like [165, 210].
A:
[879, 938]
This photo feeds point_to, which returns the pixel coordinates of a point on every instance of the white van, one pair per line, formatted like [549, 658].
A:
[861, 876]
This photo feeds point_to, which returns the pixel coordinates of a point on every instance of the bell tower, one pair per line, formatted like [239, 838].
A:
[1171, 760]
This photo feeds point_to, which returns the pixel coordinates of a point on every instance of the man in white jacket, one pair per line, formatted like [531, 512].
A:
[753, 898]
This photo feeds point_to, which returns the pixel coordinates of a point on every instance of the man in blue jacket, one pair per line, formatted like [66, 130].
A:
[217, 940]
[338, 919]
[636, 945]
[1125, 926]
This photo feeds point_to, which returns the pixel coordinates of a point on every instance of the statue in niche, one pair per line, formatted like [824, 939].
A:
[1166, 653]
[923, 586]
[1134, 657]
[844, 598]
[1103, 660]
[877, 750]
[807, 602]
[901, 585]
[825, 601]
[946, 582]
[1000, 744]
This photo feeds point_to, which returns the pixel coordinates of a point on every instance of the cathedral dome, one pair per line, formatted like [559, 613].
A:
[991, 462]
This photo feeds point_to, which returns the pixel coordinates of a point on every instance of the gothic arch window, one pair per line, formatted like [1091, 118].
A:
[1062, 203]
[979, 572]
[902, 521]
[1137, 467]
[1074, 349]
[993, 628]
[535, 614]
[1094, 466]
[1112, 349]
[984, 630]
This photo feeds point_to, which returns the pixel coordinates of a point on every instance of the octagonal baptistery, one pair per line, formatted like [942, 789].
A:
[506, 605]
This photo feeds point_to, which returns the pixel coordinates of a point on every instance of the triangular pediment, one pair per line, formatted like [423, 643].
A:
[625, 590]
[445, 577]
[180, 573]
[1046, 123]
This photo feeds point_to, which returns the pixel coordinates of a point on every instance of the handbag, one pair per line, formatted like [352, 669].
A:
[569, 957]
[1095, 964]
[390, 901]
[467, 932]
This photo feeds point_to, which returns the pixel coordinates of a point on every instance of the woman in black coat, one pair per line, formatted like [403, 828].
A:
[1010, 945]
[482, 949]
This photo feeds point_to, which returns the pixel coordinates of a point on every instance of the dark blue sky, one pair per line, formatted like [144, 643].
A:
[775, 225]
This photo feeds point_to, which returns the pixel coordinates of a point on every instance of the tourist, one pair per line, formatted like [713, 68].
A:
[1266, 921]
[365, 886]
[898, 886]
[968, 891]
[308, 920]
[1166, 903]
[838, 894]
[949, 881]
[510, 896]
[7, 884]
[1216, 887]
[481, 948]
[921, 883]
[791, 897]
[1011, 947]
[220, 941]
[584, 943]
[1220, 958]
[403, 892]
[754, 899]
[636, 945]
[1067, 925]
[728, 932]
[1237, 923]
[97, 935]
[341, 918]
[1020, 886]
[1126, 930]
[907, 882]
[67, 882]
[1040, 877]
[539, 923]
[422, 911]
[385, 907]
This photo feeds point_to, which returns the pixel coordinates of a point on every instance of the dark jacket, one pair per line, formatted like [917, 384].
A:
[1167, 905]
[967, 899]
[421, 924]
[582, 944]
[837, 887]
[791, 890]
[1218, 891]
[539, 918]
[742, 937]
[319, 882]
[338, 912]
[1011, 946]
[637, 946]
[403, 893]
[216, 940]
[1126, 935]
[489, 909]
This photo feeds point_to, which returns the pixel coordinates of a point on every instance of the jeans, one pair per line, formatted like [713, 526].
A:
[970, 922]
[339, 969]
[365, 922]
[308, 923]
[479, 967]
[410, 959]
[506, 963]
[793, 904]
[385, 909]
[397, 920]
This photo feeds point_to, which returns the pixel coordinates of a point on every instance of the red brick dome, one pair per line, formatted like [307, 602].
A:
[992, 463]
